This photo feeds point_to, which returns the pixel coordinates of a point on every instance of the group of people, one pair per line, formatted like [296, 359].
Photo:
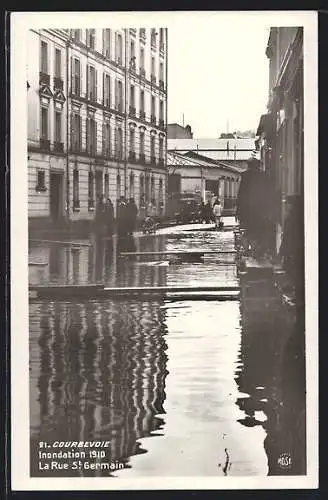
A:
[126, 216]
[211, 212]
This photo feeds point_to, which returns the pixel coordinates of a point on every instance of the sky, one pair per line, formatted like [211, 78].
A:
[218, 73]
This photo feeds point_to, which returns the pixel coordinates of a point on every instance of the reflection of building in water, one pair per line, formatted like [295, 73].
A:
[273, 377]
[100, 262]
[100, 369]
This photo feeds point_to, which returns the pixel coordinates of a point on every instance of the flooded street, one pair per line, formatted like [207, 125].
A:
[172, 385]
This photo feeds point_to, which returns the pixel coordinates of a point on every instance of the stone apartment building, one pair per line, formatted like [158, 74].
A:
[97, 110]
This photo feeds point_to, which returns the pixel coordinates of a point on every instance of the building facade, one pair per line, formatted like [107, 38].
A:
[280, 134]
[97, 112]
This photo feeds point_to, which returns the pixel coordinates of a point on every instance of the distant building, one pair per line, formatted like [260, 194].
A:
[176, 131]
[96, 121]
[280, 135]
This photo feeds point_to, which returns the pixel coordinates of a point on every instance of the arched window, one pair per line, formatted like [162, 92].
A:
[142, 191]
[152, 189]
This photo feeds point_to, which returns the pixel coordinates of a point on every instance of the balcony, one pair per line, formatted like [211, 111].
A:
[161, 84]
[58, 83]
[161, 162]
[153, 119]
[153, 79]
[132, 111]
[142, 72]
[58, 147]
[45, 144]
[44, 79]
[153, 160]
[161, 123]
[132, 156]
[142, 115]
[142, 158]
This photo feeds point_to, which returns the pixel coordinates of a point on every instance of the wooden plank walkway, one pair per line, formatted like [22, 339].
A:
[180, 252]
[94, 291]
[60, 242]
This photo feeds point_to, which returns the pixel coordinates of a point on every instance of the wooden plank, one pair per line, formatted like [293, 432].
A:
[72, 243]
[91, 291]
[181, 252]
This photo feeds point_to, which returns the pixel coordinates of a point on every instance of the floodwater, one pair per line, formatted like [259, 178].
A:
[190, 388]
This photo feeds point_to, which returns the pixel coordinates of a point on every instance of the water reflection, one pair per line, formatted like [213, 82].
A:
[101, 374]
[272, 380]
[98, 369]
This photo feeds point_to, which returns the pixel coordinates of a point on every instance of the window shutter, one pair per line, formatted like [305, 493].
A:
[88, 134]
[87, 81]
[116, 93]
[72, 76]
[71, 132]
[95, 132]
[96, 84]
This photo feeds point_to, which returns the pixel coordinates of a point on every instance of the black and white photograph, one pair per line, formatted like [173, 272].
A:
[164, 248]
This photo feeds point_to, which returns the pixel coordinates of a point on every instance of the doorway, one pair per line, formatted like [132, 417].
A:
[99, 184]
[56, 196]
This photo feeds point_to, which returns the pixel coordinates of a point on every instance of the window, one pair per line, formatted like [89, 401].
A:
[44, 57]
[44, 123]
[76, 193]
[161, 71]
[58, 63]
[119, 48]
[132, 141]
[161, 148]
[119, 95]
[118, 187]
[142, 101]
[119, 143]
[153, 110]
[153, 66]
[76, 132]
[91, 83]
[142, 58]
[132, 51]
[132, 101]
[91, 38]
[161, 36]
[142, 33]
[107, 139]
[91, 200]
[152, 147]
[153, 37]
[160, 193]
[106, 90]
[106, 42]
[161, 110]
[91, 136]
[152, 190]
[132, 185]
[142, 191]
[76, 76]
[58, 126]
[40, 180]
[77, 35]
[106, 181]
[142, 145]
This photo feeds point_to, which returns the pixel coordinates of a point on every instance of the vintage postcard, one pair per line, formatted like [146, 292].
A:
[164, 250]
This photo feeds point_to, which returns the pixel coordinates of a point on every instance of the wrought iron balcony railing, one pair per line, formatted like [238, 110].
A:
[58, 147]
[132, 111]
[45, 144]
[58, 83]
